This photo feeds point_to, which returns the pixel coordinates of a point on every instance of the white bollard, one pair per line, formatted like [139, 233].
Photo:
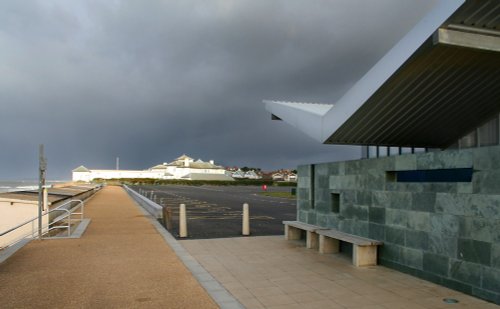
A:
[182, 221]
[246, 221]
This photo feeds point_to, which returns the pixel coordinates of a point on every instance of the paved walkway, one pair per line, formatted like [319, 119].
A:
[269, 272]
[120, 262]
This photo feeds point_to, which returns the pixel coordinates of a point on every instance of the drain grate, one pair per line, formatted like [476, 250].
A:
[450, 300]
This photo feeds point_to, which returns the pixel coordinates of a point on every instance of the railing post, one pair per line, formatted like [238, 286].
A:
[69, 223]
[167, 218]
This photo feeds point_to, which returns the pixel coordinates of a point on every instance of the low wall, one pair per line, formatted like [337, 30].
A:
[447, 232]
[151, 207]
[22, 210]
[81, 196]
[12, 215]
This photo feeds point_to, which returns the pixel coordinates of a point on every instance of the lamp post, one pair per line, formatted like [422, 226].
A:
[41, 184]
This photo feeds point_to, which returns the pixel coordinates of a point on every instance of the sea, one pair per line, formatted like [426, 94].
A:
[23, 185]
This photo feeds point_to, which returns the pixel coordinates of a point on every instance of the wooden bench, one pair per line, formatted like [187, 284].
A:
[364, 250]
[293, 231]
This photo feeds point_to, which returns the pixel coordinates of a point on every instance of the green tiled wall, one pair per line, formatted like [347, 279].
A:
[448, 233]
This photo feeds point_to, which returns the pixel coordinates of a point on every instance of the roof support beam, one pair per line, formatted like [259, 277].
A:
[462, 38]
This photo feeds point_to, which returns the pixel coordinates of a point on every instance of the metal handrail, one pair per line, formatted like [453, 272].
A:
[68, 213]
[82, 206]
[60, 218]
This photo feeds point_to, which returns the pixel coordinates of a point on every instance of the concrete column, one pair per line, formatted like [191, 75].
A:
[182, 221]
[246, 220]
[45, 199]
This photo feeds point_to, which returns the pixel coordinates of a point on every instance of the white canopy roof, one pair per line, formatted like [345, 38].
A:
[434, 86]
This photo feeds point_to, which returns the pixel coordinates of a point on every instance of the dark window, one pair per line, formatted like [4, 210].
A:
[335, 197]
[440, 175]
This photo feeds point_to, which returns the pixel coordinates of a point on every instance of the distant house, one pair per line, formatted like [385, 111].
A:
[252, 175]
[284, 175]
[239, 174]
[278, 176]
[290, 177]
[267, 176]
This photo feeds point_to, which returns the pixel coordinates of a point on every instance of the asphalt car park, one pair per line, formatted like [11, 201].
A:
[216, 211]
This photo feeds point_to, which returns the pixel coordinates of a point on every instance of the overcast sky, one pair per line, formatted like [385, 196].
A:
[150, 80]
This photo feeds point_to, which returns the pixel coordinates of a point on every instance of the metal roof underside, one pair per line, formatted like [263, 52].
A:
[437, 84]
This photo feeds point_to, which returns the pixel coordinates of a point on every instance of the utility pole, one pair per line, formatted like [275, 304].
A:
[41, 184]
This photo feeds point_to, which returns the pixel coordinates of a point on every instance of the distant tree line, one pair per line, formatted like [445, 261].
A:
[246, 169]
[152, 181]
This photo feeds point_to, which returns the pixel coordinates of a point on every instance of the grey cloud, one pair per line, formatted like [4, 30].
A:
[149, 80]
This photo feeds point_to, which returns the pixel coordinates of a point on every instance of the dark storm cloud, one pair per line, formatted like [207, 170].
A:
[150, 80]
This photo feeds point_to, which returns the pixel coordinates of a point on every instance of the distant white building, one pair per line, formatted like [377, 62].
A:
[278, 177]
[239, 174]
[252, 175]
[291, 177]
[183, 167]
[284, 176]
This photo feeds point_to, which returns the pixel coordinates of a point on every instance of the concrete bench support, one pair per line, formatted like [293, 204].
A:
[364, 255]
[328, 245]
[364, 249]
[293, 231]
[312, 240]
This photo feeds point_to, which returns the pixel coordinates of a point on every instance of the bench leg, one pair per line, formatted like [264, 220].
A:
[364, 255]
[292, 233]
[328, 245]
[312, 240]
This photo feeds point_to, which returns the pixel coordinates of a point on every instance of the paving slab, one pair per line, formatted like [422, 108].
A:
[270, 272]
[120, 261]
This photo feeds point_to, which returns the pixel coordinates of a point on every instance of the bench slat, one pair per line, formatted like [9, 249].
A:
[304, 226]
[357, 240]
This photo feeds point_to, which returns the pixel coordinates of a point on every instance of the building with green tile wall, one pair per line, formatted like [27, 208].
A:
[437, 211]
[444, 232]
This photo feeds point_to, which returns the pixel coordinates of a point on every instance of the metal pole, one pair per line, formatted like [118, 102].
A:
[41, 184]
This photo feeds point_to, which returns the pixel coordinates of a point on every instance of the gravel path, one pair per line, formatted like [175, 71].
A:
[120, 262]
